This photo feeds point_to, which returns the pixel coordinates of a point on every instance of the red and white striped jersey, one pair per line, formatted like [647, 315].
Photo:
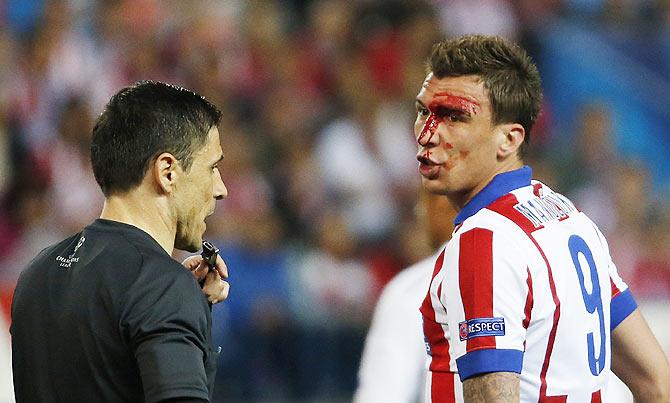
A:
[525, 285]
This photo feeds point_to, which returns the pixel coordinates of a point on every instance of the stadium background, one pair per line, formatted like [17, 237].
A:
[317, 98]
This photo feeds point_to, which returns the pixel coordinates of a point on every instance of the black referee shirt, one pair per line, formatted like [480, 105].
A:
[108, 316]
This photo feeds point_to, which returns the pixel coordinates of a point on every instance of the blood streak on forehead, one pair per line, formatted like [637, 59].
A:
[454, 102]
[441, 101]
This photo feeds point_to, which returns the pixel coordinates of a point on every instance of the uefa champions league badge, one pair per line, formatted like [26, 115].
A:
[480, 327]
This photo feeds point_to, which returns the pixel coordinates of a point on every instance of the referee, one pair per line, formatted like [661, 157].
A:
[107, 315]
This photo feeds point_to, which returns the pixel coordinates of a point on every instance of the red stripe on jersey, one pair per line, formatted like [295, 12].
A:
[427, 305]
[554, 326]
[433, 331]
[529, 301]
[440, 359]
[615, 290]
[505, 207]
[475, 280]
[553, 399]
[595, 397]
[442, 388]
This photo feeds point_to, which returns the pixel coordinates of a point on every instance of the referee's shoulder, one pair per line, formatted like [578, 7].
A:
[47, 254]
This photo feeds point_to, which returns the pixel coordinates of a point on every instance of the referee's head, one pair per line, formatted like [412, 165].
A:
[155, 153]
[142, 121]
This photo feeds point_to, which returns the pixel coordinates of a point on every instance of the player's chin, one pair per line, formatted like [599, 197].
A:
[434, 186]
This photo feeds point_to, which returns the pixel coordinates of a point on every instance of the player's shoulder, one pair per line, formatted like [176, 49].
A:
[498, 223]
[492, 221]
[528, 208]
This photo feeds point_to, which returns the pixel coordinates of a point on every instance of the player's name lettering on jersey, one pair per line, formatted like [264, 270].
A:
[550, 207]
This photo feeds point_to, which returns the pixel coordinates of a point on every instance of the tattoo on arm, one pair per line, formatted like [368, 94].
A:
[497, 387]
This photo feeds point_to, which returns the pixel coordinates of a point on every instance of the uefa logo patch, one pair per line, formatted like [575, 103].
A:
[480, 327]
[463, 330]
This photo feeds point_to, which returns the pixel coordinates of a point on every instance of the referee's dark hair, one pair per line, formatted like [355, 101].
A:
[507, 71]
[141, 122]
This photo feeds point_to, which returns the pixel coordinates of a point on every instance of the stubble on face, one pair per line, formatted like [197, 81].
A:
[196, 198]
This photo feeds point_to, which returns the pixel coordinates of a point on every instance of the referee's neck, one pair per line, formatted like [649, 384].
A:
[147, 212]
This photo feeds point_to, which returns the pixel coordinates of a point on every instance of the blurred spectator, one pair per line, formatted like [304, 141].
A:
[333, 301]
[652, 271]
[489, 17]
[366, 155]
[595, 159]
[77, 199]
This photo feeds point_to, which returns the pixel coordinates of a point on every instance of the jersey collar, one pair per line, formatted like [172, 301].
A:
[499, 186]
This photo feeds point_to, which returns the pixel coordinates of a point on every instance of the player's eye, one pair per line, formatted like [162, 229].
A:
[455, 117]
[422, 110]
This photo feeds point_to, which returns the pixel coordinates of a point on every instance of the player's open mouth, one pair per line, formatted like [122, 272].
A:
[428, 168]
[429, 171]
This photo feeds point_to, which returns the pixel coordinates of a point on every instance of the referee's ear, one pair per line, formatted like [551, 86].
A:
[164, 171]
[510, 136]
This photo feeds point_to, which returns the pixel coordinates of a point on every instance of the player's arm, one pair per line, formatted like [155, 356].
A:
[493, 334]
[637, 358]
[497, 387]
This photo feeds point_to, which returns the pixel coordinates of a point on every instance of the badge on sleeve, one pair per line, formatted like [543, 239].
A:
[479, 327]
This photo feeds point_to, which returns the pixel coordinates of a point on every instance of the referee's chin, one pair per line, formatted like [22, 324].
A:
[189, 244]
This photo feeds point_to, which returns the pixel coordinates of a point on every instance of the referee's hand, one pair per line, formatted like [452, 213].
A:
[215, 287]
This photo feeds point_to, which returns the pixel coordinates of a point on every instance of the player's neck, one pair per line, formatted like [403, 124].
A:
[144, 211]
[460, 200]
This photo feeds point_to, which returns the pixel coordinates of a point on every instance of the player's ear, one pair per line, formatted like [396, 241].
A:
[511, 137]
[165, 171]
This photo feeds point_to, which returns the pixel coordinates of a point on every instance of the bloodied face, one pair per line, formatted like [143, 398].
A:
[459, 146]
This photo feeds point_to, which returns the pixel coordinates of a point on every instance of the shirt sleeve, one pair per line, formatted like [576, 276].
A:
[495, 288]
[166, 323]
[622, 303]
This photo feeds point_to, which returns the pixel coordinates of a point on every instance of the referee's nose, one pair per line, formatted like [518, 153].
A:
[220, 189]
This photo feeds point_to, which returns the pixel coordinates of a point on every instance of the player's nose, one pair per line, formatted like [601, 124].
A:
[428, 137]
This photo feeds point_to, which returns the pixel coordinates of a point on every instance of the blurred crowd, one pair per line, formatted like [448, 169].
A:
[317, 100]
